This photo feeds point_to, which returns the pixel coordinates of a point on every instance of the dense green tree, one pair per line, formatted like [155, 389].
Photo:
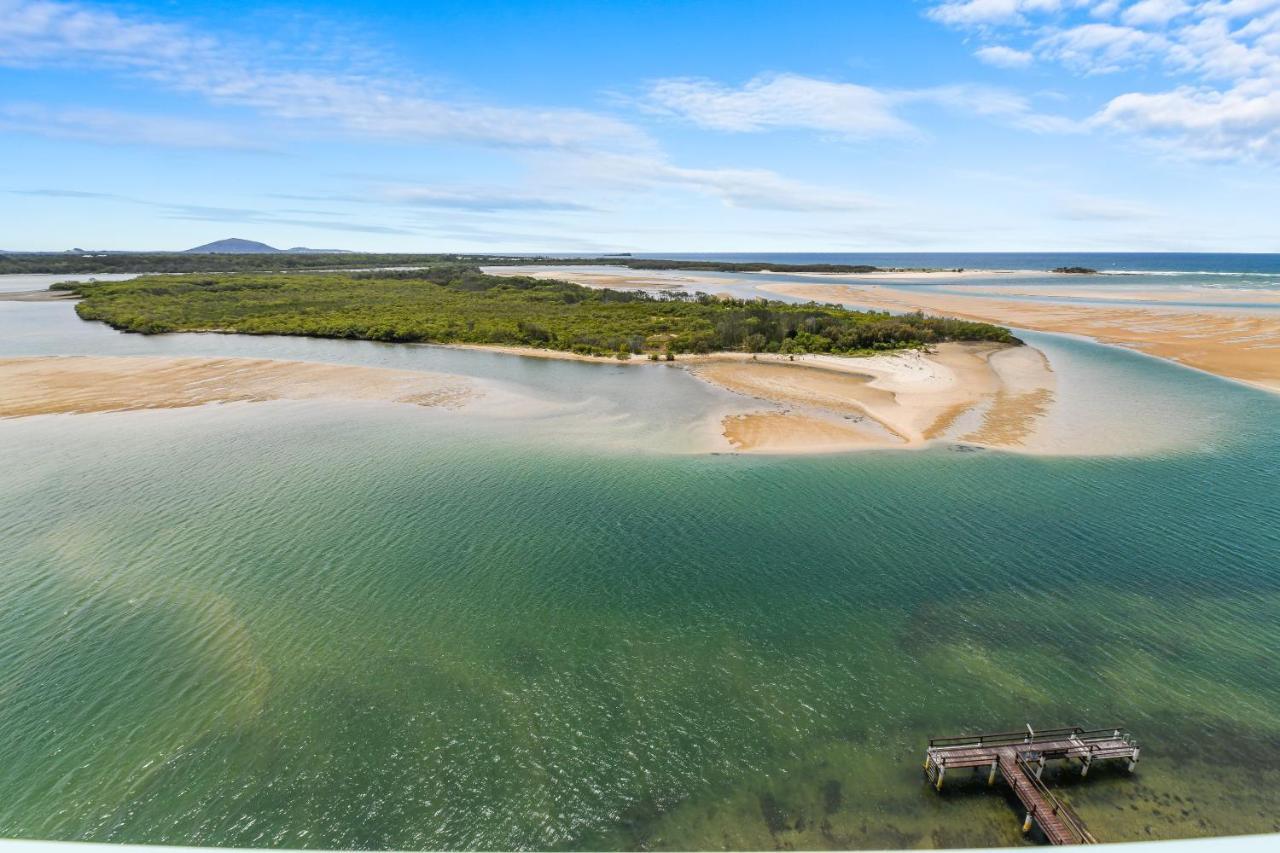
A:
[456, 303]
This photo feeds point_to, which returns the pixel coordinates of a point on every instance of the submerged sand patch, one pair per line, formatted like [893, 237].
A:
[1234, 344]
[82, 384]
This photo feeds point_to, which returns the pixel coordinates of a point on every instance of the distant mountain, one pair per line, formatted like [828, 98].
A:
[237, 246]
[234, 246]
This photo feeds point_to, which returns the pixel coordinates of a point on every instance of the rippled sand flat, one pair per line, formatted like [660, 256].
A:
[65, 385]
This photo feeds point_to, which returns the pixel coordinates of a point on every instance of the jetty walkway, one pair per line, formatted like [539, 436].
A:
[1019, 758]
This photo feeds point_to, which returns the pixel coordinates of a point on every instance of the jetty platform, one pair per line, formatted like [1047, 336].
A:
[1019, 759]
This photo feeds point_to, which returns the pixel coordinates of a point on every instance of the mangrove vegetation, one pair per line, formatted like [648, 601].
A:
[457, 303]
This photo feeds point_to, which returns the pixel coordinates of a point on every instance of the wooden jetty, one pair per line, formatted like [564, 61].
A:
[1019, 758]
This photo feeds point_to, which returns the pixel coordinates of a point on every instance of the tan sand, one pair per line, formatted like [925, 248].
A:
[817, 404]
[81, 384]
[38, 296]
[785, 432]
[1113, 290]
[621, 279]
[912, 398]
[1237, 345]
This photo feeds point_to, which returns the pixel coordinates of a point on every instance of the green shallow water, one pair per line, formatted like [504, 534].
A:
[375, 626]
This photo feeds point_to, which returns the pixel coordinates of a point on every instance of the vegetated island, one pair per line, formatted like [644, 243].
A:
[1075, 270]
[458, 304]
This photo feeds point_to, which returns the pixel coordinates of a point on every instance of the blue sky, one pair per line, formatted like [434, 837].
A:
[1103, 125]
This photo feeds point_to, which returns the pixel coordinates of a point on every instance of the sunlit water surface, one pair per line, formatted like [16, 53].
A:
[370, 625]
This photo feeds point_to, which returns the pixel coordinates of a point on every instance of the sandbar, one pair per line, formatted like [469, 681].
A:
[978, 393]
[47, 385]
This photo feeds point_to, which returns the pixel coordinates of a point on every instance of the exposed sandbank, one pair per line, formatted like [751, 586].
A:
[987, 394]
[1236, 345]
[81, 384]
[815, 404]
[39, 296]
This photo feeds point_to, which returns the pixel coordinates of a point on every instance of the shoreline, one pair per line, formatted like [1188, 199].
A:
[1240, 347]
[809, 404]
[46, 295]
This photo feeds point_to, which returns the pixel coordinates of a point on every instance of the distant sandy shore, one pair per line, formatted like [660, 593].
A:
[624, 277]
[1236, 345]
[1109, 292]
[930, 276]
[83, 384]
[621, 278]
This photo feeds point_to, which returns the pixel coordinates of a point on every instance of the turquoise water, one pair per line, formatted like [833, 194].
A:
[296, 624]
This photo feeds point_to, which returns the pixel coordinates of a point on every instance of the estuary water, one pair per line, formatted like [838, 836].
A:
[376, 626]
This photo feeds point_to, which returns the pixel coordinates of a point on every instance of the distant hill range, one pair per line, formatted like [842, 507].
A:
[237, 246]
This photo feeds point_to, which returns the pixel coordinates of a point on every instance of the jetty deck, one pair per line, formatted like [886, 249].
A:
[1020, 757]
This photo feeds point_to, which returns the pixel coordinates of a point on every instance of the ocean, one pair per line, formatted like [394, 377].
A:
[1110, 262]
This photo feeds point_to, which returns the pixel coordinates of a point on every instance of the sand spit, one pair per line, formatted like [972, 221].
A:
[39, 296]
[81, 384]
[986, 394]
[1237, 345]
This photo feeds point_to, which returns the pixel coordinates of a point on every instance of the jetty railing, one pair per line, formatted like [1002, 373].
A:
[1028, 736]
[1075, 826]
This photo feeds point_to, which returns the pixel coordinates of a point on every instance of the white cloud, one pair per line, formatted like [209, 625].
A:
[1004, 57]
[759, 189]
[1102, 48]
[476, 199]
[968, 13]
[1222, 58]
[1154, 12]
[780, 101]
[777, 101]
[42, 33]
[1242, 123]
[118, 128]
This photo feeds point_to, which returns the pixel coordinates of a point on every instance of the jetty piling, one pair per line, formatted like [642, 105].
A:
[1020, 759]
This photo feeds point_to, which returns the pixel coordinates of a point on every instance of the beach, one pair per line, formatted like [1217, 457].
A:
[1235, 345]
[805, 404]
[974, 393]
